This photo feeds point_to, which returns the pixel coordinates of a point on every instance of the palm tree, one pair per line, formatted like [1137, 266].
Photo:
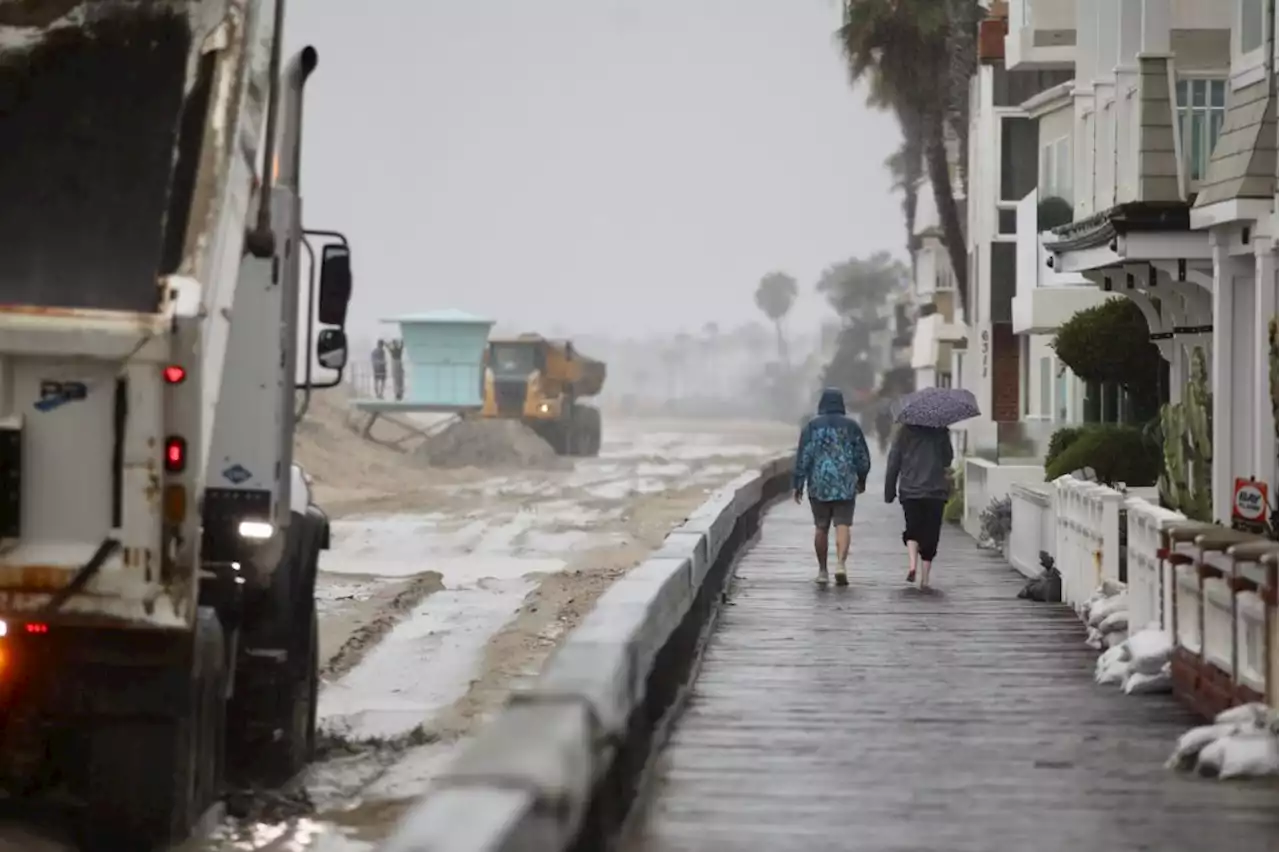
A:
[775, 295]
[903, 49]
[905, 167]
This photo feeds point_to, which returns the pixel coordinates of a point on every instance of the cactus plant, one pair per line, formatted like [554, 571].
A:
[1186, 482]
[1198, 408]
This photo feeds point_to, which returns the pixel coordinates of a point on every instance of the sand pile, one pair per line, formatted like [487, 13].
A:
[489, 443]
[329, 447]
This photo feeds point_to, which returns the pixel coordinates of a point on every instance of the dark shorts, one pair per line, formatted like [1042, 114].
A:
[828, 512]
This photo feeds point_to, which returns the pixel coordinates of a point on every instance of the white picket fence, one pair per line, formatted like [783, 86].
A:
[1087, 543]
[1229, 630]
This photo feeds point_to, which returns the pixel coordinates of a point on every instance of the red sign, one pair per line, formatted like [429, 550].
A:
[1249, 506]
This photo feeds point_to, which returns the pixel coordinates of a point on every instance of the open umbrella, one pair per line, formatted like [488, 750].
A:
[936, 407]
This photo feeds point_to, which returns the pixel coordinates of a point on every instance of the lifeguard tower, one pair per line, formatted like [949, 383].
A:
[443, 365]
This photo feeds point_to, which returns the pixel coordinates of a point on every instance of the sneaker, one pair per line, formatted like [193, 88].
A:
[821, 579]
[842, 579]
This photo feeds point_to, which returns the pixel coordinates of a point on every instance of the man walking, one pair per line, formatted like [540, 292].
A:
[379, 360]
[832, 460]
[396, 348]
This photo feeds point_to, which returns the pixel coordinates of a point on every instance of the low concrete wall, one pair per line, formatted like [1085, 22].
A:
[559, 767]
[985, 481]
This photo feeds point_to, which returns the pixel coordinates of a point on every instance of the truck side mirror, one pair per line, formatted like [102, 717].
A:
[331, 348]
[335, 286]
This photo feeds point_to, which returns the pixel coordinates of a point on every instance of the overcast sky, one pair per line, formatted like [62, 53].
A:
[601, 166]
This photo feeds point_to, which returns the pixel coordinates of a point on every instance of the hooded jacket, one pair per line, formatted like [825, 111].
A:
[832, 455]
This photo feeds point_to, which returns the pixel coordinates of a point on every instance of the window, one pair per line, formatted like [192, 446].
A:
[943, 380]
[1251, 25]
[1055, 169]
[1202, 105]
[1019, 139]
[944, 280]
[1046, 388]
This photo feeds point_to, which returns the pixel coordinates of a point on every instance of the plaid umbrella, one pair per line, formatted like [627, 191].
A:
[936, 407]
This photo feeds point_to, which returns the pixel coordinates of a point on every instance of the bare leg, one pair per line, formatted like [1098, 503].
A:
[820, 544]
[925, 566]
[913, 559]
[842, 554]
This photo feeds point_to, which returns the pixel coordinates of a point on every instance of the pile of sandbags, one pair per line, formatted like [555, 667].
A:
[1106, 613]
[1241, 743]
[1140, 664]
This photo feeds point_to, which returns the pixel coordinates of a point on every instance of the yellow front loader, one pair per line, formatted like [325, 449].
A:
[544, 383]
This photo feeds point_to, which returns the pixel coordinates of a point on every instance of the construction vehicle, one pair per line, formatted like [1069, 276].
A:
[158, 546]
[543, 383]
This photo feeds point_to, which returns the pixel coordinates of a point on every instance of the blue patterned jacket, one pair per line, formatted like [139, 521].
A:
[832, 455]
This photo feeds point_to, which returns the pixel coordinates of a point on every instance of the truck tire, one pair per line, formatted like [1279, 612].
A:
[273, 725]
[587, 431]
[150, 779]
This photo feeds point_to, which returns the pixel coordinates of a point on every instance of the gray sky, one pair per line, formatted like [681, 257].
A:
[613, 166]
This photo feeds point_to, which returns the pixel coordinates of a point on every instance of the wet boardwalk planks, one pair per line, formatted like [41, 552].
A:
[877, 718]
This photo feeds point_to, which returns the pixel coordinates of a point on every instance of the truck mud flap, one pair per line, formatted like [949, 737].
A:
[91, 119]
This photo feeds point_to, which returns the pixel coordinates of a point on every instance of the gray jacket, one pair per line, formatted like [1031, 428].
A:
[918, 464]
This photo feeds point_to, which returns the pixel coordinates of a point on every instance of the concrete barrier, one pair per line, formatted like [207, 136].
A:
[559, 766]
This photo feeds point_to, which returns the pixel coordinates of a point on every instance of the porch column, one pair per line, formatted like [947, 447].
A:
[1129, 42]
[1155, 27]
[1231, 374]
[1264, 308]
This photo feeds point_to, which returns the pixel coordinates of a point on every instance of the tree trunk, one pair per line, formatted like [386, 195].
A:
[948, 211]
[782, 343]
[963, 17]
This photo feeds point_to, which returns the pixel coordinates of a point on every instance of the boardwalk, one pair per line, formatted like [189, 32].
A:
[877, 718]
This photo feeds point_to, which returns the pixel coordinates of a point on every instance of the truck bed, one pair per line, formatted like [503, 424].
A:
[90, 117]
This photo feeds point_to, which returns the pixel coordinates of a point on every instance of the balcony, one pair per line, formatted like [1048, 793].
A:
[1042, 35]
[1045, 299]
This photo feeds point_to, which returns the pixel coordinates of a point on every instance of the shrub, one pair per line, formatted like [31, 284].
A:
[953, 512]
[1110, 344]
[1116, 453]
[1060, 440]
[996, 521]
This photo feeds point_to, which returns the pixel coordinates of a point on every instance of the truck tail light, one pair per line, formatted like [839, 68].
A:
[175, 454]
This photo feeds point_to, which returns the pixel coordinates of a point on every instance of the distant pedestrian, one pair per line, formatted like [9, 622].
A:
[832, 461]
[919, 474]
[884, 426]
[396, 348]
[379, 361]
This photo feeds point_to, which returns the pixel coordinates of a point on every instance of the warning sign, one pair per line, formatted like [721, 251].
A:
[1249, 506]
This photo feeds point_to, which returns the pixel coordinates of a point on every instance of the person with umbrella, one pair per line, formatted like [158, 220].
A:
[919, 469]
[832, 460]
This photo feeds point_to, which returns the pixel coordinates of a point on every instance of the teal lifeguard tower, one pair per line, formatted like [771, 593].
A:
[443, 364]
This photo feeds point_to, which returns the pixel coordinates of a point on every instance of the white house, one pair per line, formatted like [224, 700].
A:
[1235, 205]
[940, 318]
[1173, 149]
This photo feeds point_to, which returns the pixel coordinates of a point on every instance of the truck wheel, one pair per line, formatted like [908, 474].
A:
[587, 428]
[151, 779]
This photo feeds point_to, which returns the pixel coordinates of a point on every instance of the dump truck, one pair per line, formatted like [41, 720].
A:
[158, 545]
[544, 383]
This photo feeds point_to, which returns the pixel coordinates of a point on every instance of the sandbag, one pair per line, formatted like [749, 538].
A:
[1253, 715]
[1190, 744]
[1149, 684]
[1120, 653]
[1209, 762]
[1114, 639]
[1094, 639]
[1149, 651]
[1116, 622]
[1249, 755]
[1099, 611]
[1113, 673]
